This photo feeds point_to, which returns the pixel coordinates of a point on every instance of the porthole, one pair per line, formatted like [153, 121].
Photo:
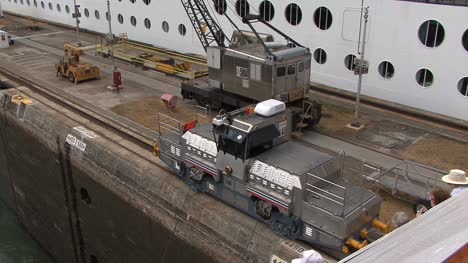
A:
[108, 17]
[349, 62]
[97, 15]
[266, 10]
[242, 7]
[59, 8]
[67, 9]
[220, 6]
[431, 33]
[465, 40]
[147, 23]
[28, 2]
[147, 2]
[42, 5]
[320, 56]
[463, 86]
[35, 3]
[86, 12]
[386, 69]
[293, 14]
[16, 1]
[21, 2]
[132, 1]
[133, 21]
[51, 7]
[120, 18]
[323, 18]
[424, 77]
[182, 30]
[165, 26]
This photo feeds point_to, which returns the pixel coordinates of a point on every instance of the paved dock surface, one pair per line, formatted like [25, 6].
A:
[386, 140]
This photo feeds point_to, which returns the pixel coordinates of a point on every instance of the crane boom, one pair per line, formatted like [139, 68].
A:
[208, 31]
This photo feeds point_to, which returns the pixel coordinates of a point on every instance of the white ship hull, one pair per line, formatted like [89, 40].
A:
[392, 36]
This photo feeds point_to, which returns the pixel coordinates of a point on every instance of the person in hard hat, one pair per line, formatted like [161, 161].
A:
[309, 256]
[457, 180]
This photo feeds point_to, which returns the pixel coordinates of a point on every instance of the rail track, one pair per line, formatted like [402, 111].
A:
[125, 128]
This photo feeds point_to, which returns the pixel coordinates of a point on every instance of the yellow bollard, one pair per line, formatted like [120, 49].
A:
[355, 244]
[156, 150]
[381, 225]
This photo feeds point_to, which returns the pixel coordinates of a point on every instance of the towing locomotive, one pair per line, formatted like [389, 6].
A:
[248, 159]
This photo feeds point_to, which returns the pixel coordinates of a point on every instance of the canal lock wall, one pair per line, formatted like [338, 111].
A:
[88, 195]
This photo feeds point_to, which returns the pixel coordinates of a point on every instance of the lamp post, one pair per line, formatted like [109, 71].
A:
[361, 67]
[77, 16]
[1, 10]
[116, 75]
[111, 36]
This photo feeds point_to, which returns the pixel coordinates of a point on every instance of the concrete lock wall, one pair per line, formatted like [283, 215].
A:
[92, 200]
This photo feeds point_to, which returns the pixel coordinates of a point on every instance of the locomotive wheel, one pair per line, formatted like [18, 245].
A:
[287, 228]
[263, 209]
[195, 177]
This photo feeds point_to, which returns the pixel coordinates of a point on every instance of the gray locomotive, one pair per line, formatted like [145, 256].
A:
[247, 159]
[247, 72]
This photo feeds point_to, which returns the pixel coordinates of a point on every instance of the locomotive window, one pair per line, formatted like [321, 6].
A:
[281, 71]
[261, 140]
[291, 69]
[301, 66]
[231, 140]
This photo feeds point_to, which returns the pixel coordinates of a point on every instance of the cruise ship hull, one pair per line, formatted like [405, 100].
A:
[405, 67]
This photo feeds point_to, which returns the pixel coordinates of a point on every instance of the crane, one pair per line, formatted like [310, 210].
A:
[202, 20]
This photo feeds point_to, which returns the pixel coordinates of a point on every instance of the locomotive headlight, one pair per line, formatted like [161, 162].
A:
[228, 170]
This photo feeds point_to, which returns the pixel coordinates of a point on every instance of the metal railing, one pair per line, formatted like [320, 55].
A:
[172, 128]
[398, 179]
[169, 125]
[337, 197]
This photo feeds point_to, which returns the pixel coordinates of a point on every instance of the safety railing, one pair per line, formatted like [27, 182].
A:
[167, 124]
[322, 189]
[172, 128]
[409, 178]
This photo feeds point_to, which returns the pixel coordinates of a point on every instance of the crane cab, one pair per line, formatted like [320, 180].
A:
[247, 70]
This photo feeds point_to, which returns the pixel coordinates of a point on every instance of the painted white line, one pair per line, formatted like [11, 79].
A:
[39, 35]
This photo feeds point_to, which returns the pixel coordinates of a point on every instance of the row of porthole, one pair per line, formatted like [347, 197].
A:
[147, 2]
[424, 76]
[322, 16]
[431, 33]
[147, 23]
[133, 21]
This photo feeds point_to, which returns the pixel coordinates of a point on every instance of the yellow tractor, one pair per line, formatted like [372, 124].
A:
[70, 67]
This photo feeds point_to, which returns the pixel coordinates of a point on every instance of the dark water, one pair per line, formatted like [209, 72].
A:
[16, 246]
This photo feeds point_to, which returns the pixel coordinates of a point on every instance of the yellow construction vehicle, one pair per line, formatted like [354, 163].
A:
[70, 67]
